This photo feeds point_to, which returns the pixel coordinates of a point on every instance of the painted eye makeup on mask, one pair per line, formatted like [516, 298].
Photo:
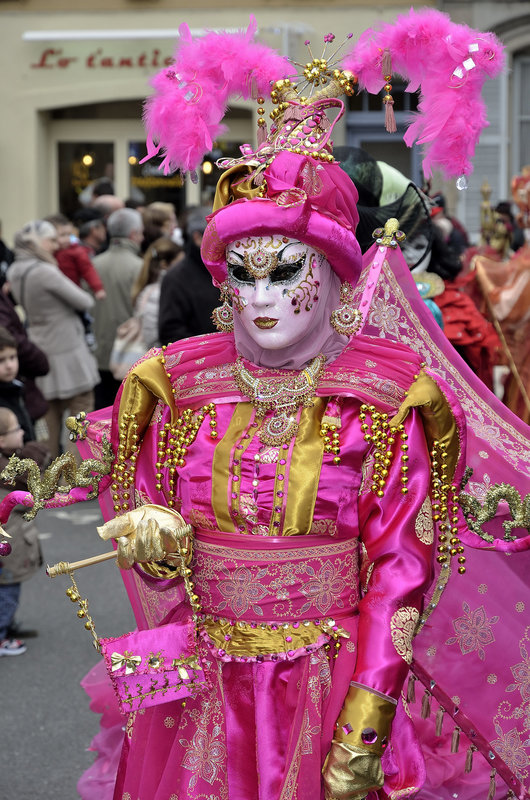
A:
[283, 273]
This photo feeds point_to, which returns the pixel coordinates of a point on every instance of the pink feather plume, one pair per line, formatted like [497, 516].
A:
[183, 117]
[450, 64]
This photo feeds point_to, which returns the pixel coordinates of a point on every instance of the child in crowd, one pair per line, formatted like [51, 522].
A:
[75, 263]
[11, 388]
[25, 557]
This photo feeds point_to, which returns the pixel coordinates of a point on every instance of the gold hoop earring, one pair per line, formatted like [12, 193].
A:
[346, 319]
[222, 316]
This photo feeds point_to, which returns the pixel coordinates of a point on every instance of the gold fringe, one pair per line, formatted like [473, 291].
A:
[439, 721]
[426, 705]
[455, 740]
[411, 689]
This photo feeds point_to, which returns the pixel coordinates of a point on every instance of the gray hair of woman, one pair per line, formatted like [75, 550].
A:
[28, 240]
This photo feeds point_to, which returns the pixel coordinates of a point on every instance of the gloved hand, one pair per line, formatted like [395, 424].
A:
[150, 533]
[353, 764]
[350, 772]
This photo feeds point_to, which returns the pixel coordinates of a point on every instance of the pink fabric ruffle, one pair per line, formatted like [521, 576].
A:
[97, 782]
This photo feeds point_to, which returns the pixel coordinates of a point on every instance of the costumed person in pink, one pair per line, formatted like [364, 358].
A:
[276, 487]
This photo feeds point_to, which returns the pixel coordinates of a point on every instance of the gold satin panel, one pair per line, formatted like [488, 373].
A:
[226, 191]
[438, 420]
[144, 386]
[221, 465]
[247, 641]
[304, 472]
[363, 709]
[303, 476]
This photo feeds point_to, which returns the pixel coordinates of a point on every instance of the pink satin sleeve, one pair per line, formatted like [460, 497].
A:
[399, 548]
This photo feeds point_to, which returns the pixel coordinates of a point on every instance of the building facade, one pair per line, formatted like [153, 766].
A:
[73, 81]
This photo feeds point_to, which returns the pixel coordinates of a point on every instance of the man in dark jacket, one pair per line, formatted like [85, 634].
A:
[187, 296]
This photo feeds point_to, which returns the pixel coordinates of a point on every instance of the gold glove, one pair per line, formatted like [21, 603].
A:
[351, 772]
[353, 765]
[149, 534]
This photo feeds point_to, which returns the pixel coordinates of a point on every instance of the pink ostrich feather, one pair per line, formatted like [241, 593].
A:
[450, 64]
[184, 115]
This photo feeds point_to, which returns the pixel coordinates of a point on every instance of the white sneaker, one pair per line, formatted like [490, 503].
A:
[12, 647]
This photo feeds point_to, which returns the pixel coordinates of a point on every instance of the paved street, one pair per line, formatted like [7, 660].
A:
[46, 725]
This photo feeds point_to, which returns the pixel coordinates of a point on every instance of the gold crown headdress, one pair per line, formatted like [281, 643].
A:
[184, 116]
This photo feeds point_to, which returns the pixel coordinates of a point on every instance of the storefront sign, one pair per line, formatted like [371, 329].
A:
[55, 58]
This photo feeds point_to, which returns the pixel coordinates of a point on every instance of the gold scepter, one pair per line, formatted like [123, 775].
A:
[66, 567]
[182, 557]
[73, 593]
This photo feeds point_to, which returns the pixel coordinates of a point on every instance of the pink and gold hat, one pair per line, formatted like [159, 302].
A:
[290, 184]
[299, 198]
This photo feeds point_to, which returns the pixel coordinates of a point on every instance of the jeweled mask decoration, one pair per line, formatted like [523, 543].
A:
[275, 283]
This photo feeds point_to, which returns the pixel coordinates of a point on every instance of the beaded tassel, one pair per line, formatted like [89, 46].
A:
[444, 494]
[262, 124]
[123, 474]
[74, 595]
[455, 740]
[390, 120]
[383, 438]
[173, 443]
[329, 430]
[457, 548]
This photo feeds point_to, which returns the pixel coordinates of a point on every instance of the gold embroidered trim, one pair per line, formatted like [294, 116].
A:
[441, 583]
[268, 554]
[424, 526]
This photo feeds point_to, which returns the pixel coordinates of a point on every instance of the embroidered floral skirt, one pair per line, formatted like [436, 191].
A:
[262, 724]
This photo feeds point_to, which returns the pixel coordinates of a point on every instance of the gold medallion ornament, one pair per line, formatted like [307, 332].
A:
[283, 394]
[223, 315]
[260, 264]
[346, 319]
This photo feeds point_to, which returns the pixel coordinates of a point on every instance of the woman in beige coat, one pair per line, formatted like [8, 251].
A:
[52, 302]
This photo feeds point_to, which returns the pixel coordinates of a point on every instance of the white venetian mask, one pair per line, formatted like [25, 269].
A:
[275, 283]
